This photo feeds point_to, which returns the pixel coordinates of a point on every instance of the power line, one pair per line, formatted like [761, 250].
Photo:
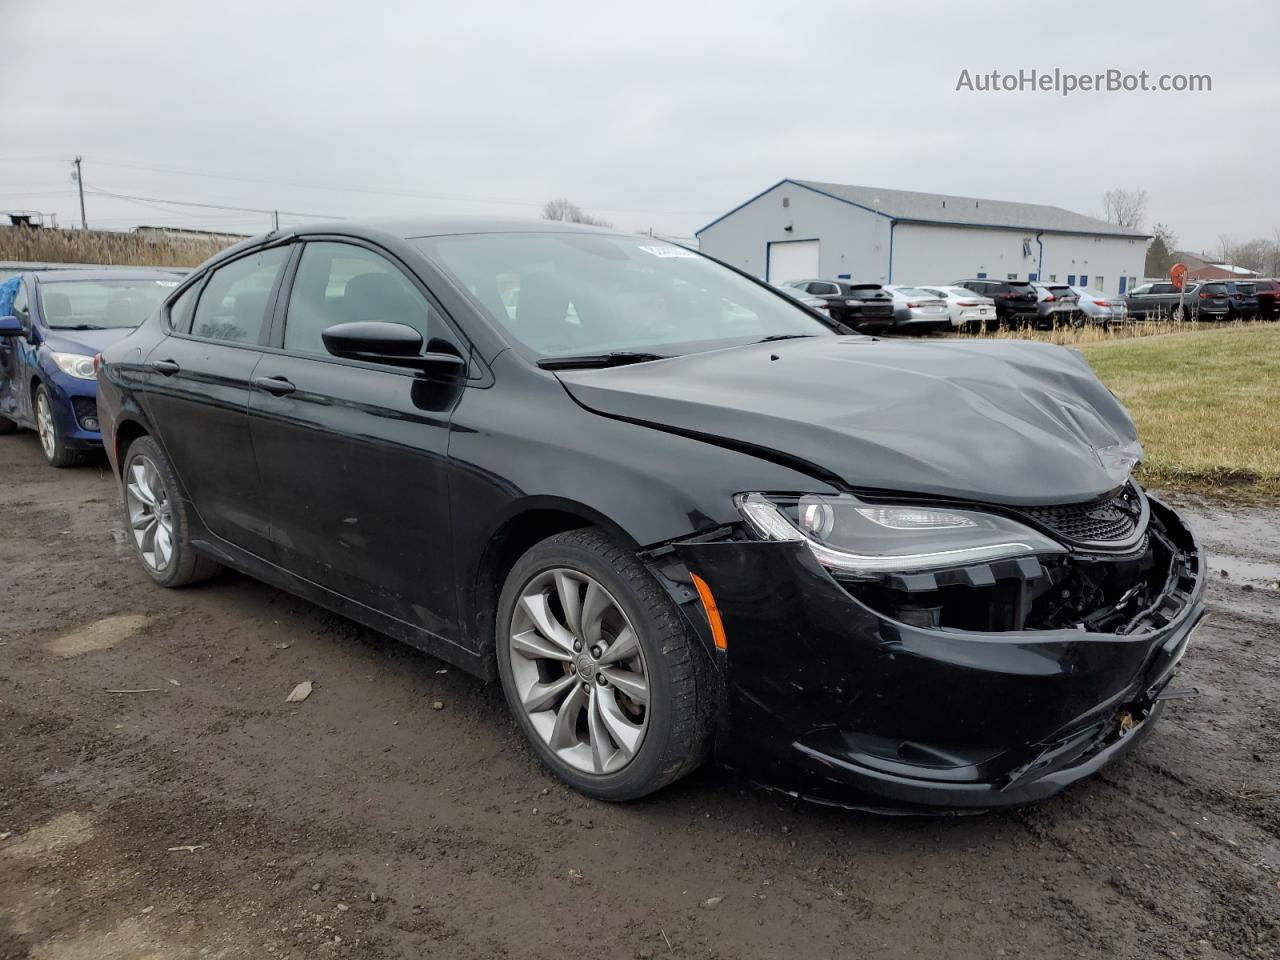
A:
[211, 206]
[378, 192]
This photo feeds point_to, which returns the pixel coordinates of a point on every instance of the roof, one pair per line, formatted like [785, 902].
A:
[911, 207]
[138, 273]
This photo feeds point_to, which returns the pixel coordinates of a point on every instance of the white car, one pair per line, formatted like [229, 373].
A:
[917, 310]
[965, 308]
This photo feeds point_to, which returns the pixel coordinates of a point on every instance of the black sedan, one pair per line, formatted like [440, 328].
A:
[673, 512]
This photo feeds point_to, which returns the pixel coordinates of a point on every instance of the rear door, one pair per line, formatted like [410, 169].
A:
[196, 385]
[17, 356]
[354, 454]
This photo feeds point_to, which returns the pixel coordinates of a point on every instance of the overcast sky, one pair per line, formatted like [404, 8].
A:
[651, 114]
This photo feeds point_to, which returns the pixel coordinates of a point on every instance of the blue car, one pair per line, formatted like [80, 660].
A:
[52, 324]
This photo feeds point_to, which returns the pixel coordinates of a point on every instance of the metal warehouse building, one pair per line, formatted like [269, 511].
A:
[802, 228]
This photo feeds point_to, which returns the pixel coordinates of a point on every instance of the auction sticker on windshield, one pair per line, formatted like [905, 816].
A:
[668, 251]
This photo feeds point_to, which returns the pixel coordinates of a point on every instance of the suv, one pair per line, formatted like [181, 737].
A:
[1202, 301]
[1057, 304]
[856, 305]
[1016, 300]
[1268, 292]
[1244, 299]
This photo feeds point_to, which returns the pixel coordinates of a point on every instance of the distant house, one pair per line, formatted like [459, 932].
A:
[802, 228]
[1198, 268]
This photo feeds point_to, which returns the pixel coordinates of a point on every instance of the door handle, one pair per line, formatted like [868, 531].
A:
[276, 386]
[167, 367]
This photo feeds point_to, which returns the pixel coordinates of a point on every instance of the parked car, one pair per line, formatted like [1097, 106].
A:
[668, 509]
[1268, 292]
[859, 306]
[1056, 305]
[918, 311]
[1098, 307]
[1016, 300]
[1205, 301]
[59, 320]
[1243, 299]
[810, 301]
[966, 309]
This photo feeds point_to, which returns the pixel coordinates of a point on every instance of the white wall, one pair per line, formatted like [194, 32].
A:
[853, 240]
[856, 241]
[940, 254]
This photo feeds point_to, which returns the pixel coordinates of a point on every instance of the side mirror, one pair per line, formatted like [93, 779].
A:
[11, 327]
[395, 344]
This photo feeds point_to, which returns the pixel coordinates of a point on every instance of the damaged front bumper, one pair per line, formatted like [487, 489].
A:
[829, 698]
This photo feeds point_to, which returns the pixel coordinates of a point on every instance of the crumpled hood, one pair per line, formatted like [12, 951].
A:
[991, 421]
[86, 342]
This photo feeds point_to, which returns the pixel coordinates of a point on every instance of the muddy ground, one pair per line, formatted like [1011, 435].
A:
[205, 817]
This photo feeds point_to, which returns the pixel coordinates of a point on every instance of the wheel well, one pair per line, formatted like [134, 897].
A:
[508, 545]
[126, 433]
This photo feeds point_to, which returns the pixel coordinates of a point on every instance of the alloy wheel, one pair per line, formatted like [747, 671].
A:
[579, 671]
[44, 425]
[150, 514]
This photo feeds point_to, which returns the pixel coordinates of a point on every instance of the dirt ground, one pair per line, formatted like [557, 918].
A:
[159, 799]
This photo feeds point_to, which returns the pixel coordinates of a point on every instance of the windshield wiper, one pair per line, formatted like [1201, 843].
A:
[784, 336]
[617, 358]
[79, 326]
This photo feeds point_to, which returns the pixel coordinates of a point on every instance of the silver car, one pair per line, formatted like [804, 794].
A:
[1057, 305]
[917, 310]
[1098, 307]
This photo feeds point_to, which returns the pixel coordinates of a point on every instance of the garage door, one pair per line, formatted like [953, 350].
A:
[793, 260]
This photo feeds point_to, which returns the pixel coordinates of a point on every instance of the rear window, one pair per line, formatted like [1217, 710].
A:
[1019, 285]
[1247, 287]
[1217, 289]
[1163, 288]
[866, 291]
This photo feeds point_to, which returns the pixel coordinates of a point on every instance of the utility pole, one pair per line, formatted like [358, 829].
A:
[84, 224]
[275, 220]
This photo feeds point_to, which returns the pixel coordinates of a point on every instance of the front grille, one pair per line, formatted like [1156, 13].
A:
[1103, 520]
[86, 409]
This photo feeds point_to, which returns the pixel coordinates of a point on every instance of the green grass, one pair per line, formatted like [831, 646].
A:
[1207, 405]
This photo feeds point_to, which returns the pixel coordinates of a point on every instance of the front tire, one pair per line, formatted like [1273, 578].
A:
[51, 442]
[599, 669]
[157, 520]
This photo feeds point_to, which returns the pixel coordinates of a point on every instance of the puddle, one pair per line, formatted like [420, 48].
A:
[99, 635]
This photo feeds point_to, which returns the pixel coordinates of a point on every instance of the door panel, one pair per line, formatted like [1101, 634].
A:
[355, 456]
[201, 410]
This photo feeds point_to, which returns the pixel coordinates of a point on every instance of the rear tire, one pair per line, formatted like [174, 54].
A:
[636, 709]
[51, 442]
[157, 520]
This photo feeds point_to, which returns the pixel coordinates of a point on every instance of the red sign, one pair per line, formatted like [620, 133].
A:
[1178, 274]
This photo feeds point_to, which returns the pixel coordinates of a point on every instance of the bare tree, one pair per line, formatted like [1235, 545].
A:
[568, 211]
[1224, 248]
[1275, 251]
[1254, 255]
[1125, 208]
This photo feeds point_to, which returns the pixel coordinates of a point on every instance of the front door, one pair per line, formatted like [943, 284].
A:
[197, 394]
[354, 454]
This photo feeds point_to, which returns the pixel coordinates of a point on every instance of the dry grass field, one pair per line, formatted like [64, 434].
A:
[1205, 402]
[106, 247]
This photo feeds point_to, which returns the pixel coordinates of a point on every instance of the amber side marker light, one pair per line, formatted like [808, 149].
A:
[713, 612]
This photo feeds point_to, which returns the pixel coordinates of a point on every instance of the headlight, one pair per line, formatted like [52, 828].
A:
[850, 536]
[74, 365]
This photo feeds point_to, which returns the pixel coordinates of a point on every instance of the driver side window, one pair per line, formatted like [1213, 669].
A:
[22, 309]
[342, 283]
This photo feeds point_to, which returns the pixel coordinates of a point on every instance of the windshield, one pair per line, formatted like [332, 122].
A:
[100, 304]
[564, 294]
